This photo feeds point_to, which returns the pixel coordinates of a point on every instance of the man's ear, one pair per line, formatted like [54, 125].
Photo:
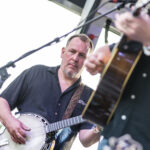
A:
[62, 51]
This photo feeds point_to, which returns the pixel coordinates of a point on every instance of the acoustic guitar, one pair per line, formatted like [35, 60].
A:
[105, 99]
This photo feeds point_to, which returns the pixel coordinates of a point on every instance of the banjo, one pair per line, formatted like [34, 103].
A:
[41, 134]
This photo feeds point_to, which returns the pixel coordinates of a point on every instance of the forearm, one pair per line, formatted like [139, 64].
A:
[5, 112]
[88, 137]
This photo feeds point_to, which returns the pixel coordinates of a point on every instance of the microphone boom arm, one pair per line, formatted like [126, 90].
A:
[3, 70]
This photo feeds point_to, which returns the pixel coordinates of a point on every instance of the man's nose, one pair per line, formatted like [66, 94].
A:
[76, 57]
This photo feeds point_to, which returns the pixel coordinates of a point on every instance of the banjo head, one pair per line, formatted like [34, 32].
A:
[35, 137]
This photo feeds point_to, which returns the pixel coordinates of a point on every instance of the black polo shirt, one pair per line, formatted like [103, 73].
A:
[37, 90]
[133, 112]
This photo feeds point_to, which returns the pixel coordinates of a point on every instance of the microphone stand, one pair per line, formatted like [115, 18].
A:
[3, 70]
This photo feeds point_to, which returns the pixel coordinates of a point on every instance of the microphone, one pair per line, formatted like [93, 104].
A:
[123, 1]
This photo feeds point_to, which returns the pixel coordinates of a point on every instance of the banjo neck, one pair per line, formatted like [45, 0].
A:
[64, 123]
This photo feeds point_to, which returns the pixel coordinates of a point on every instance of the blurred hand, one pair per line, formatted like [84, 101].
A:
[96, 62]
[136, 28]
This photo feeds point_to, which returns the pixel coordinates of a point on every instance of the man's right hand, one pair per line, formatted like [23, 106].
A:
[17, 130]
[96, 62]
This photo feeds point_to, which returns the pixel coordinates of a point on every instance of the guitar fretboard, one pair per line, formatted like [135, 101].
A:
[65, 123]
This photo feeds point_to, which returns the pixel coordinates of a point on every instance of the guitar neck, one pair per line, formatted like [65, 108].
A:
[65, 123]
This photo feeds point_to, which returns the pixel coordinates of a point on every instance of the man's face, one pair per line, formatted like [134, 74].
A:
[73, 57]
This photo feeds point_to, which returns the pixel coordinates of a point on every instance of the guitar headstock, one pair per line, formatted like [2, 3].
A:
[123, 143]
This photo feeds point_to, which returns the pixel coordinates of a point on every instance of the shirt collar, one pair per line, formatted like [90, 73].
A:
[53, 70]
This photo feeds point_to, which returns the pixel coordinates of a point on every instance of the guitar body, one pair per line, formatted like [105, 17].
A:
[35, 138]
[104, 100]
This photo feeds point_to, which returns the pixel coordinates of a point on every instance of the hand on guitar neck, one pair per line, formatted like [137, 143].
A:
[136, 28]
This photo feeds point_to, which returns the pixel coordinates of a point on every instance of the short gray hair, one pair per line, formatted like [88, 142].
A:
[84, 38]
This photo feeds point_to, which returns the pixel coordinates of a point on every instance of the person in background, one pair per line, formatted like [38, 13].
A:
[132, 114]
[46, 91]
